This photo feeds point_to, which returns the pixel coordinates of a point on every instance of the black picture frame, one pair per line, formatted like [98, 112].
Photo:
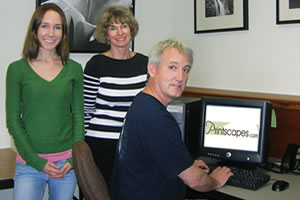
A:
[287, 11]
[208, 17]
[85, 44]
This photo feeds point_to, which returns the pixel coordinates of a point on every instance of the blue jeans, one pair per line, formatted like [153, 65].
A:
[30, 184]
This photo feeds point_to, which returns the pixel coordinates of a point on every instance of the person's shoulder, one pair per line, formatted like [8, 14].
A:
[95, 59]
[18, 64]
[147, 108]
[92, 66]
[148, 102]
[139, 63]
[74, 66]
[17, 68]
[71, 62]
[141, 56]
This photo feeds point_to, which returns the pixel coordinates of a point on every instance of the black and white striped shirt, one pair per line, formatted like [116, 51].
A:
[109, 88]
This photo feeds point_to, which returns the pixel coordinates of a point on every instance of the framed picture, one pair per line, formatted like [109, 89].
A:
[287, 11]
[220, 15]
[81, 19]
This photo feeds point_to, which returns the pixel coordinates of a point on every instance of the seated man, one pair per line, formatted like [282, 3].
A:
[152, 161]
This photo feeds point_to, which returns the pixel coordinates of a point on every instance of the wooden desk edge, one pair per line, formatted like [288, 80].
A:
[7, 168]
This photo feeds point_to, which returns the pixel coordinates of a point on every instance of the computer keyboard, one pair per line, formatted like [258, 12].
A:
[243, 178]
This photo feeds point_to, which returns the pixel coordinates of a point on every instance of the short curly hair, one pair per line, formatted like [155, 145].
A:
[115, 14]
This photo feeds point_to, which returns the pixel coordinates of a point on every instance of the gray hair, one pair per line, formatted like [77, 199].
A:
[157, 50]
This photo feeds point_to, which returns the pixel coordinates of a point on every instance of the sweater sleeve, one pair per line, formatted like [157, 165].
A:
[14, 120]
[91, 85]
[77, 104]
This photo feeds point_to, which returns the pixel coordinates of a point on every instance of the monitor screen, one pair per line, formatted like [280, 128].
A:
[235, 129]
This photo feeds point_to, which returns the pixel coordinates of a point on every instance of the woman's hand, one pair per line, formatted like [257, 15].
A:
[53, 170]
[66, 168]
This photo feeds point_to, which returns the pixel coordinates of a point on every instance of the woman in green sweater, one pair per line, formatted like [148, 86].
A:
[44, 108]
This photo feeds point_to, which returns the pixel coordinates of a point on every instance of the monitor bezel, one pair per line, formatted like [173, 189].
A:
[231, 154]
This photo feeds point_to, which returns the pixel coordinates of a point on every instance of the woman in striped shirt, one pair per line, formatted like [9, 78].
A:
[111, 81]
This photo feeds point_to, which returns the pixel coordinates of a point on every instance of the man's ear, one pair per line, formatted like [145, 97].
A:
[151, 69]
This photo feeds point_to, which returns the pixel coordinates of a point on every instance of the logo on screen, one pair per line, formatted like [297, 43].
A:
[218, 128]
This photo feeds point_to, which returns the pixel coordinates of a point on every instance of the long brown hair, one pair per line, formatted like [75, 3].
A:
[32, 44]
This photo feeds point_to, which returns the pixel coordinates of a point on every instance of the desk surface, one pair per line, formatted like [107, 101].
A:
[7, 167]
[266, 192]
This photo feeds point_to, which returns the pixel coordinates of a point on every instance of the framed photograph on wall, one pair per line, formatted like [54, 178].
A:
[287, 11]
[81, 18]
[220, 15]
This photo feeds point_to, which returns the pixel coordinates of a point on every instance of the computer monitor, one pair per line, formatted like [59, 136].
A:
[235, 130]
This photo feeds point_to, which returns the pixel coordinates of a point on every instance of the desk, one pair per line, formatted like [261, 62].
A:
[7, 168]
[265, 192]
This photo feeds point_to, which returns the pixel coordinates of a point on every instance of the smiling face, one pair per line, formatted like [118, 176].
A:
[119, 35]
[50, 31]
[170, 77]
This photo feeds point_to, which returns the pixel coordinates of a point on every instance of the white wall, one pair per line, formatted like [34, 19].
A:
[13, 19]
[263, 59]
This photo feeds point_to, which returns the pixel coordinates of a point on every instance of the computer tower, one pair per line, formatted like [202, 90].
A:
[186, 111]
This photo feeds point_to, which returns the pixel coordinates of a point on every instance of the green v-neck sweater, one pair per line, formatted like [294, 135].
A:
[44, 116]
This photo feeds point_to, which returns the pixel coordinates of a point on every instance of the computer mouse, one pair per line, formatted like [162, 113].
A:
[279, 186]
